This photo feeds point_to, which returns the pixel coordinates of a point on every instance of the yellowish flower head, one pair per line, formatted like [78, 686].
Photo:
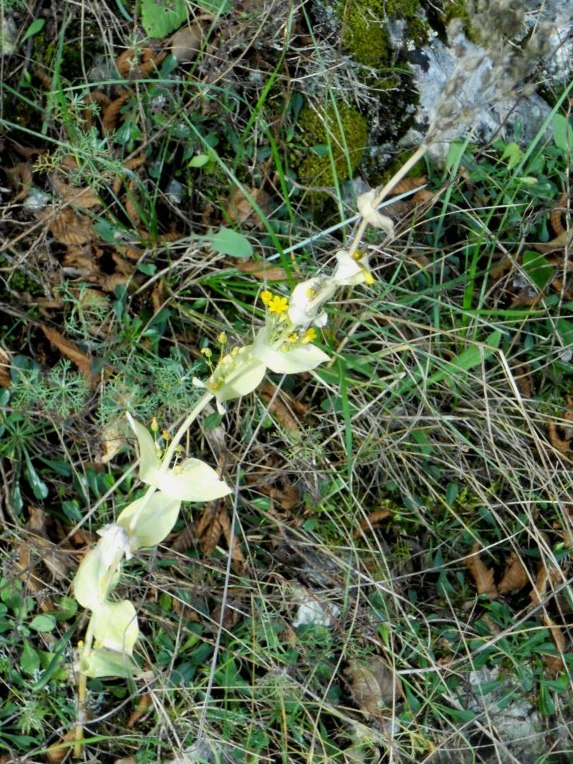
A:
[275, 303]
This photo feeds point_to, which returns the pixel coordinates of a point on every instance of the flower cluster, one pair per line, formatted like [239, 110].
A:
[144, 523]
[285, 343]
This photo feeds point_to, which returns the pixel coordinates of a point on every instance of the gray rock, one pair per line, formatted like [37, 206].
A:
[484, 93]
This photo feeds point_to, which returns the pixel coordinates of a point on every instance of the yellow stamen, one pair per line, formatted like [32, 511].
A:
[308, 336]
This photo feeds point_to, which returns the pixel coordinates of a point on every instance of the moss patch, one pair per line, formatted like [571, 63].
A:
[364, 33]
[336, 140]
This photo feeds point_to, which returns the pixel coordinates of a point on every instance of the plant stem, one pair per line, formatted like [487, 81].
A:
[85, 650]
[189, 419]
[383, 193]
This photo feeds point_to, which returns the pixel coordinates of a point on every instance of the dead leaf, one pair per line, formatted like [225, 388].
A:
[545, 578]
[373, 519]
[19, 179]
[259, 270]
[58, 751]
[213, 523]
[187, 42]
[408, 184]
[71, 350]
[113, 438]
[481, 574]
[523, 375]
[374, 686]
[279, 408]
[5, 364]
[138, 63]
[554, 663]
[111, 112]
[131, 203]
[111, 282]
[79, 197]
[287, 496]
[555, 217]
[69, 227]
[562, 442]
[142, 707]
[562, 241]
[515, 575]
[158, 296]
[51, 555]
[240, 208]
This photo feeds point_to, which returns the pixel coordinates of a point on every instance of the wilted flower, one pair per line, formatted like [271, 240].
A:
[352, 270]
[366, 207]
[307, 300]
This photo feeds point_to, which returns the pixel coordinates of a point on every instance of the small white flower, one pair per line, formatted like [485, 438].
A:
[283, 358]
[366, 208]
[352, 270]
[115, 543]
[240, 373]
[307, 299]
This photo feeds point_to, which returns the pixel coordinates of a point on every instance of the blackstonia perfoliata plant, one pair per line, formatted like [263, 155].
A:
[285, 345]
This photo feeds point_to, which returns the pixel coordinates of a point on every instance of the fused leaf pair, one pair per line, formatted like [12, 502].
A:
[241, 371]
[143, 523]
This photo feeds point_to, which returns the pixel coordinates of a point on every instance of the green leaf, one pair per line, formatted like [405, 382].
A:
[538, 268]
[565, 330]
[43, 622]
[513, 153]
[229, 242]
[67, 608]
[546, 702]
[562, 133]
[29, 660]
[216, 6]
[468, 359]
[102, 662]
[36, 26]
[455, 154]
[199, 160]
[39, 488]
[161, 17]
[149, 269]
[5, 625]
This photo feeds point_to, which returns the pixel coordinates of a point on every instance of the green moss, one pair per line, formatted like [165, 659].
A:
[399, 9]
[342, 129]
[364, 34]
